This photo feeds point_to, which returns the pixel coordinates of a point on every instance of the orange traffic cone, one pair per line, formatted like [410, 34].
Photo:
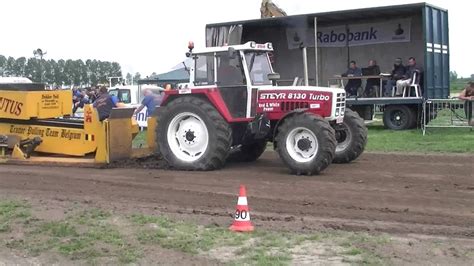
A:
[242, 215]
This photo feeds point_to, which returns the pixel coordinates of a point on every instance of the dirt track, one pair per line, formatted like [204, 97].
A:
[379, 192]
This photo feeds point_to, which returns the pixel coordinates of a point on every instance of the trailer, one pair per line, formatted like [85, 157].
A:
[36, 127]
[313, 48]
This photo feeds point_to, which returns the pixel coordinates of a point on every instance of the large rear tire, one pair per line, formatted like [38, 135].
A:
[306, 143]
[248, 152]
[192, 135]
[351, 136]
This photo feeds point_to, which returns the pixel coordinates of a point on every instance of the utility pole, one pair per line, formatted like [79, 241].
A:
[39, 53]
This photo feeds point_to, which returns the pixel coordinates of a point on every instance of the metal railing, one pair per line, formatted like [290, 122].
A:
[447, 113]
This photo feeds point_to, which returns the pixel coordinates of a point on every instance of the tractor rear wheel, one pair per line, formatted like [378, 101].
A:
[351, 136]
[306, 143]
[192, 135]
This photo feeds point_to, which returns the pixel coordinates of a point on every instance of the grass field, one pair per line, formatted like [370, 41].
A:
[457, 86]
[445, 140]
[95, 236]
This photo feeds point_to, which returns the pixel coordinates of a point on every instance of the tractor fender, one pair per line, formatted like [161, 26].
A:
[286, 116]
[212, 95]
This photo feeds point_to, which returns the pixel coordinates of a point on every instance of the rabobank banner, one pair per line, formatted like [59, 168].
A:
[396, 30]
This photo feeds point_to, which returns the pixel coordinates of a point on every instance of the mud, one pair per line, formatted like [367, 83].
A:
[394, 193]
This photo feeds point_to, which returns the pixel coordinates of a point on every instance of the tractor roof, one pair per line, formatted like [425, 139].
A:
[246, 46]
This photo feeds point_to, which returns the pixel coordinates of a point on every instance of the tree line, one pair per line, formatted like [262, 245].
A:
[61, 72]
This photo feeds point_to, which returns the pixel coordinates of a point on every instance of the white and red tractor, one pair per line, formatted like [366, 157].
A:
[232, 107]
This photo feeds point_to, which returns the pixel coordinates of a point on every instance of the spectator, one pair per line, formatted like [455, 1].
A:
[104, 103]
[91, 93]
[398, 71]
[352, 84]
[468, 95]
[407, 77]
[81, 100]
[372, 84]
[150, 101]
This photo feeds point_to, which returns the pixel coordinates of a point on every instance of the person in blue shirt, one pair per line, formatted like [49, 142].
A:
[150, 101]
[352, 84]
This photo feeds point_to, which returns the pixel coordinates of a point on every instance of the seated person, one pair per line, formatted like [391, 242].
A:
[104, 103]
[352, 84]
[228, 73]
[406, 80]
[468, 95]
[398, 72]
[372, 84]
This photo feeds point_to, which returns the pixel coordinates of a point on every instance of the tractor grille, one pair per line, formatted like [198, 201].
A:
[290, 106]
[340, 104]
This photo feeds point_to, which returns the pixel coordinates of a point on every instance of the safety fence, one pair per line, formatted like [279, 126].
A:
[438, 113]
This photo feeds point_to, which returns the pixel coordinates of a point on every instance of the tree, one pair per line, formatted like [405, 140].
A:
[136, 78]
[59, 75]
[61, 72]
[48, 67]
[19, 67]
[33, 69]
[115, 70]
[9, 66]
[453, 76]
[128, 78]
[77, 73]
[92, 69]
[3, 62]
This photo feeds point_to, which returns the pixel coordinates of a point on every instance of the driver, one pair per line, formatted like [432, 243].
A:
[227, 73]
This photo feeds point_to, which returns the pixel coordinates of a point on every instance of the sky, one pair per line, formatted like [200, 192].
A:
[151, 36]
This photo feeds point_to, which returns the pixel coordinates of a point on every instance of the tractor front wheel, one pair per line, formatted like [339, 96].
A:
[306, 143]
[351, 136]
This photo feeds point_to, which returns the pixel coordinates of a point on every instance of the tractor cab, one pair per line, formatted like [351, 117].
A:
[236, 71]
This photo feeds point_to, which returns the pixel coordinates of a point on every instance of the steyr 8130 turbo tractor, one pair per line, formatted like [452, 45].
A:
[233, 106]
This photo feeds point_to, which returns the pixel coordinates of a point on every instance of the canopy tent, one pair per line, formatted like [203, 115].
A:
[179, 74]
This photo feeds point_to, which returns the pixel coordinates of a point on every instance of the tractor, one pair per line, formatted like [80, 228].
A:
[233, 106]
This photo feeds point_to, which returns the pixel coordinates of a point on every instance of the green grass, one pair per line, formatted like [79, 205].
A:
[185, 237]
[90, 236]
[256, 248]
[86, 235]
[457, 86]
[140, 140]
[11, 212]
[444, 140]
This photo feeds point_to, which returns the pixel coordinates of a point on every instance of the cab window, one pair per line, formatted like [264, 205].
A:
[259, 67]
[204, 70]
[229, 70]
